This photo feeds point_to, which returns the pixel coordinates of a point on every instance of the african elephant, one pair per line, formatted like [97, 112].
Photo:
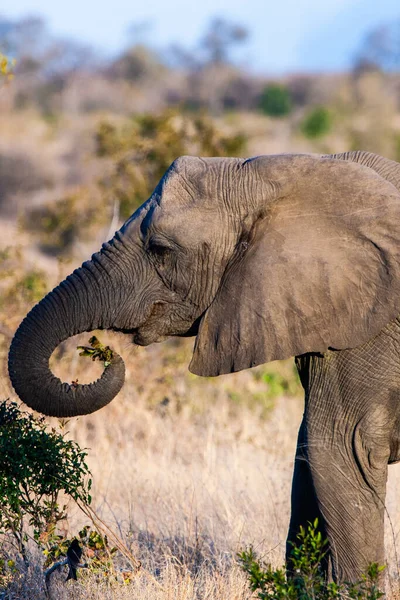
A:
[260, 259]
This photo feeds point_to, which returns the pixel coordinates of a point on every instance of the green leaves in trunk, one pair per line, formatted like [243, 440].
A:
[97, 351]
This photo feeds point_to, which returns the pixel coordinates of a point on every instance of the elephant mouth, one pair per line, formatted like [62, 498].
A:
[149, 334]
[159, 326]
[142, 337]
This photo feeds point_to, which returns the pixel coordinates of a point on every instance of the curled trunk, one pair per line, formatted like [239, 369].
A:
[78, 304]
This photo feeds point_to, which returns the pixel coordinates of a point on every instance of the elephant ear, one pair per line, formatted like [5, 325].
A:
[321, 268]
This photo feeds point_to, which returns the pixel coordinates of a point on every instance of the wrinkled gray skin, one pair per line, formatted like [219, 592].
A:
[261, 259]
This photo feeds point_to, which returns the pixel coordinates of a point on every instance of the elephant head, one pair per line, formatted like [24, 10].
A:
[260, 259]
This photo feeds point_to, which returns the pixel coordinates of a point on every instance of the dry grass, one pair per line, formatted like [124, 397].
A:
[186, 474]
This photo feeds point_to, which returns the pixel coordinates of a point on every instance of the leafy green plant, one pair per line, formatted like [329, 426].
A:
[144, 147]
[37, 465]
[97, 351]
[98, 551]
[275, 100]
[317, 123]
[308, 581]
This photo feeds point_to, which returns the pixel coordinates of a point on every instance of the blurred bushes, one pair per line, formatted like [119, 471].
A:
[6, 67]
[57, 226]
[317, 123]
[136, 64]
[270, 382]
[144, 147]
[19, 174]
[134, 155]
[279, 378]
[21, 286]
[275, 100]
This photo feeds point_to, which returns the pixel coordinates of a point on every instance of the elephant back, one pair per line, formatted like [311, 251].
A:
[386, 168]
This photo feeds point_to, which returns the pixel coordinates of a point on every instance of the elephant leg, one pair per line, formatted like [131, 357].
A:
[340, 477]
[304, 504]
[348, 436]
[350, 487]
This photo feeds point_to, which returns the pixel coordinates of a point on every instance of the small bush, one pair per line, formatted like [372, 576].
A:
[98, 551]
[275, 101]
[317, 123]
[308, 581]
[37, 464]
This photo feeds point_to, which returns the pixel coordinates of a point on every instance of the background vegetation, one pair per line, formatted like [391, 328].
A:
[186, 471]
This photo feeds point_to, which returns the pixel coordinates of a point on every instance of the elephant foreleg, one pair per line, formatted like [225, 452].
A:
[304, 502]
[341, 479]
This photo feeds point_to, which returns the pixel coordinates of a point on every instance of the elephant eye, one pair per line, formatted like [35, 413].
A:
[159, 251]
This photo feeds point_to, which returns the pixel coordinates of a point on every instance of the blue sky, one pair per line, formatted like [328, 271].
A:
[286, 35]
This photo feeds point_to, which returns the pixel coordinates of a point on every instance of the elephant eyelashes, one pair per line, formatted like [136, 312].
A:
[159, 252]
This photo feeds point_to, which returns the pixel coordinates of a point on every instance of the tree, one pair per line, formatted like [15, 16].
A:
[381, 48]
[221, 36]
[29, 41]
[136, 64]
[24, 38]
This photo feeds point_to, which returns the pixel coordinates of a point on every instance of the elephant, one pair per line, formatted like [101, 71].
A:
[259, 259]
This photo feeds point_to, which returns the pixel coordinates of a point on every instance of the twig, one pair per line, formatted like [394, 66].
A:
[114, 220]
[101, 526]
[50, 570]
[58, 565]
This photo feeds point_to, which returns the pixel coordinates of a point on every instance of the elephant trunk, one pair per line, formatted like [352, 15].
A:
[78, 304]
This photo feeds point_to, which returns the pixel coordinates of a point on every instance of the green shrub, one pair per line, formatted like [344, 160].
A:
[308, 581]
[275, 100]
[36, 465]
[317, 122]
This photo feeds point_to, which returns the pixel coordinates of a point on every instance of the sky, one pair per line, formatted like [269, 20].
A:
[285, 35]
